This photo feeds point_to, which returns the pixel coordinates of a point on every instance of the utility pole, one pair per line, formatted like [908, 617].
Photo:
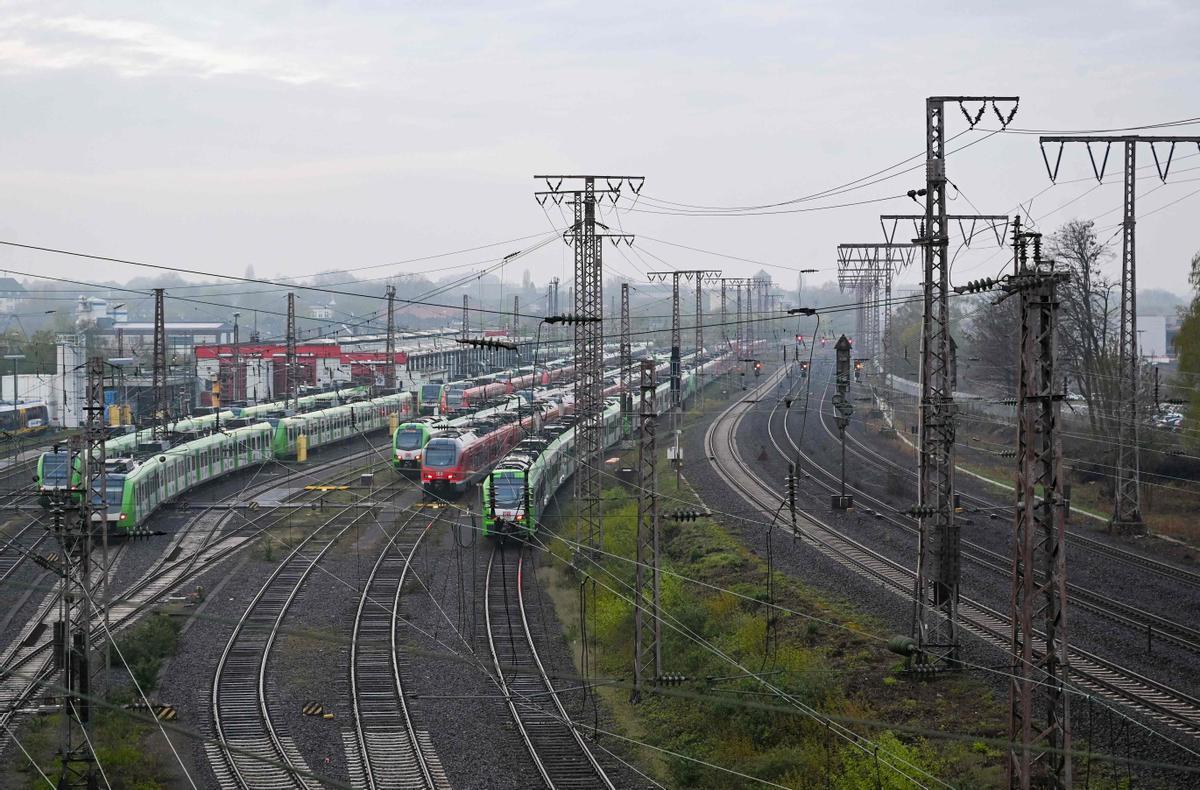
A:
[1039, 715]
[626, 352]
[159, 376]
[71, 632]
[516, 314]
[1127, 498]
[676, 335]
[724, 317]
[844, 410]
[290, 361]
[589, 331]
[237, 364]
[389, 371]
[647, 638]
[936, 590]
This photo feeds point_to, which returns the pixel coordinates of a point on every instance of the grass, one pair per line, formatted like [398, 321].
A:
[823, 653]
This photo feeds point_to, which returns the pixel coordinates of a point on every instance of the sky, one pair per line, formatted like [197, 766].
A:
[306, 137]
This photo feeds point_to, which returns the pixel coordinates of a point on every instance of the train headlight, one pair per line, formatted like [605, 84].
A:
[124, 516]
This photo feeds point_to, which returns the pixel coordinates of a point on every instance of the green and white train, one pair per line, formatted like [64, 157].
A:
[136, 487]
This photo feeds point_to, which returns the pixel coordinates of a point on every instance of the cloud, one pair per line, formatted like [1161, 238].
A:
[139, 49]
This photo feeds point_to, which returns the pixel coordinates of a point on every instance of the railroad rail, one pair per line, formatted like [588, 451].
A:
[1107, 680]
[558, 748]
[200, 544]
[392, 752]
[1141, 620]
[256, 754]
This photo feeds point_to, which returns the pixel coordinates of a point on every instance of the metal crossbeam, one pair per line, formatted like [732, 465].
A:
[1127, 500]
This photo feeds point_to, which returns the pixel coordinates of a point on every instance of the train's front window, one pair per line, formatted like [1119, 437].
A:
[430, 392]
[115, 487]
[454, 397]
[440, 453]
[508, 491]
[54, 469]
[409, 439]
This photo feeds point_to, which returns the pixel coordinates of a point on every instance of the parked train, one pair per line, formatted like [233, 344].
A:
[24, 418]
[136, 487]
[458, 457]
[520, 487]
[409, 438]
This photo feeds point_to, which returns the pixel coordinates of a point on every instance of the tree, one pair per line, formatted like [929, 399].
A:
[992, 334]
[1088, 336]
[1187, 342]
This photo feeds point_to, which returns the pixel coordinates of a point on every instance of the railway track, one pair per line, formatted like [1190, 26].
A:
[558, 748]
[256, 755]
[1075, 538]
[203, 542]
[393, 753]
[1105, 679]
[1113, 609]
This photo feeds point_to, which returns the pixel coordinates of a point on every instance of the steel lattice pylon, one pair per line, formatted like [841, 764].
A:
[872, 266]
[936, 589]
[626, 352]
[290, 359]
[75, 601]
[1039, 716]
[1127, 500]
[647, 643]
[389, 372]
[676, 334]
[589, 334]
[161, 398]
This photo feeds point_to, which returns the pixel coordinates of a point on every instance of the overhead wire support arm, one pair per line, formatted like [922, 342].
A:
[1127, 501]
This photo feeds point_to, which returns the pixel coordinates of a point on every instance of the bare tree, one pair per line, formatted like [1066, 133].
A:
[1088, 338]
[992, 333]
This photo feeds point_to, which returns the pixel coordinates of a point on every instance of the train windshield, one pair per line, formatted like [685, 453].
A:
[430, 392]
[440, 453]
[454, 397]
[115, 486]
[54, 469]
[508, 491]
[409, 439]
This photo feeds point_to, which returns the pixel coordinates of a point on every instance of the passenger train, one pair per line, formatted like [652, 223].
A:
[517, 491]
[24, 418]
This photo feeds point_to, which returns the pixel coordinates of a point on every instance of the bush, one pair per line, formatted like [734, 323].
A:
[146, 645]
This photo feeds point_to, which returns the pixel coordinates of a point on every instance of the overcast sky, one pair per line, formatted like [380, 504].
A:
[301, 137]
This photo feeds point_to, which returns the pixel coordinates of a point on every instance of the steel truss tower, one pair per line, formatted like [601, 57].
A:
[724, 317]
[1127, 498]
[71, 633]
[626, 351]
[389, 372]
[647, 637]
[872, 267]
[936, 590]
[676, 334]
[1039, 716]
[159, 383]
[290, 360]
[589, 331]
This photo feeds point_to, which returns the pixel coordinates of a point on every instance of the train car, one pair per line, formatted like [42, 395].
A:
[167, 475]
[23, 419]
[461, 456]
[520, 487]
[408, 444]
[431, 398]
[338, 423]
[58, 470]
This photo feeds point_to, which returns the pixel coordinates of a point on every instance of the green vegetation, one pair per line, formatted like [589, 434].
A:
[128, 744]
[823, 653]
[129, 749]
[146, 646]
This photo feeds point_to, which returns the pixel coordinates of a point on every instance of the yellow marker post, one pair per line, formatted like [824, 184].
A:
[301, 448]
[114, 416]
[393, 423]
